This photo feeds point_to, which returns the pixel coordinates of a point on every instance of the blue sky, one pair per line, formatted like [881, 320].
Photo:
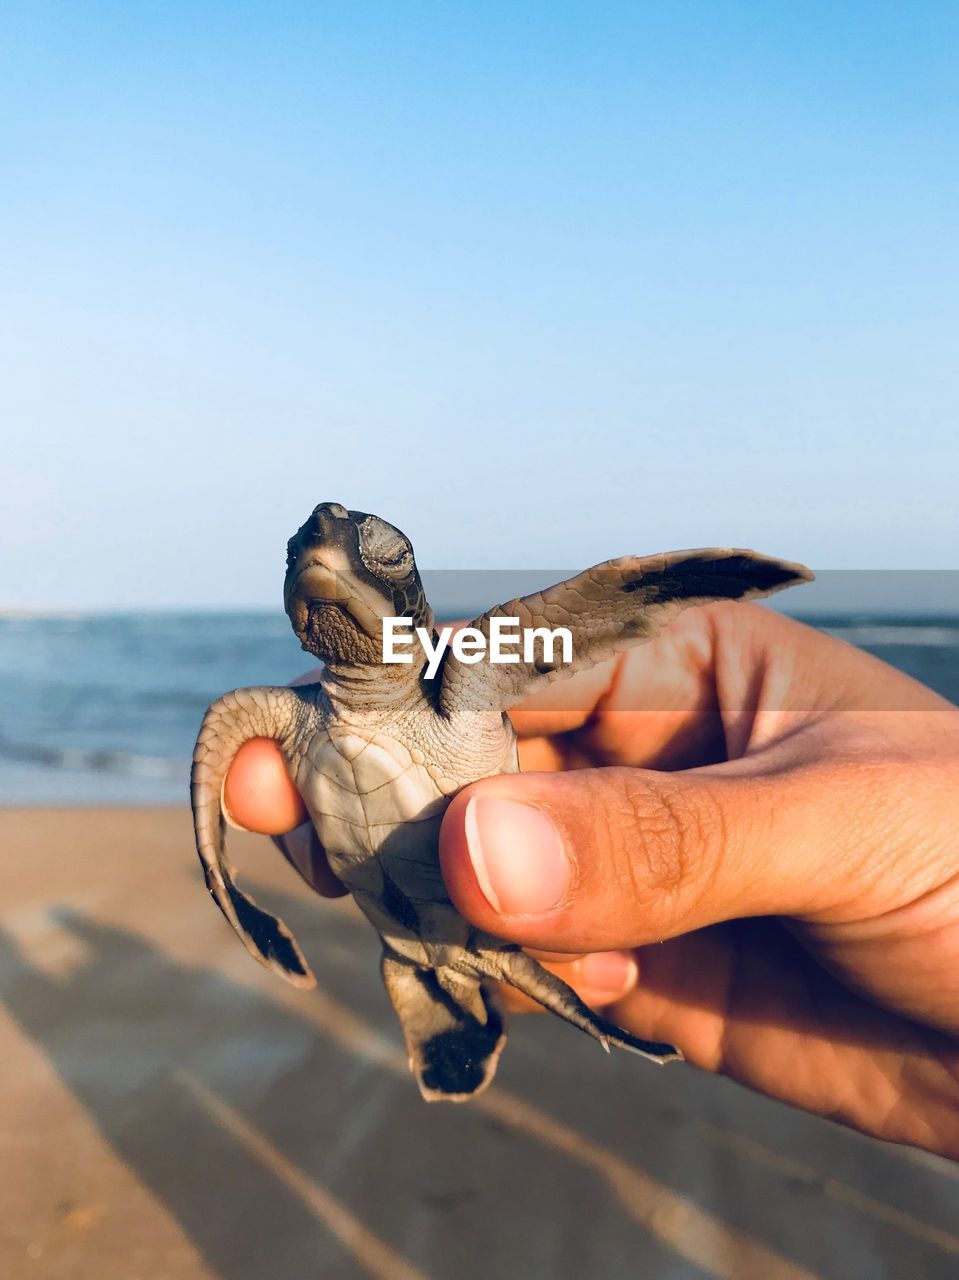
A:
[540, 283]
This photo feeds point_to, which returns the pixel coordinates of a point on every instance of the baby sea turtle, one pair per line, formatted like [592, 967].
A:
[377, 751]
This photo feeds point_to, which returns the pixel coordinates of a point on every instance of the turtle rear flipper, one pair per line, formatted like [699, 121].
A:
[452, 1053]
[529, 976]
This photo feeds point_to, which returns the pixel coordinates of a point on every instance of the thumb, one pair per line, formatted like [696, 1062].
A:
[603, 859]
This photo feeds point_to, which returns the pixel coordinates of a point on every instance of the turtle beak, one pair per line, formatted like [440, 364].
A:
[323, 575]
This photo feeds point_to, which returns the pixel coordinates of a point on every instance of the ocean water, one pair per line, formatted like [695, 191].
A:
[104, 709]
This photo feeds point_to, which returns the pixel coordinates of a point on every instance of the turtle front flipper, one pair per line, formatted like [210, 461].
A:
[453, 1028]
[232, 720]
[606, 609]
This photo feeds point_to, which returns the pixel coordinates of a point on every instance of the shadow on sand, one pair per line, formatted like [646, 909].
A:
[283, 1153]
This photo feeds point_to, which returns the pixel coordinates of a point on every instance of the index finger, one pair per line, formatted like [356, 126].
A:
[652, 705]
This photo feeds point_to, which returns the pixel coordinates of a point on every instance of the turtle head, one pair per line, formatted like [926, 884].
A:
[345, 572]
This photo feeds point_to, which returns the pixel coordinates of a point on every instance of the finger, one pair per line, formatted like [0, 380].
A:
[747, 999]
[599, 979]
[258, 792]
[259, 795]
[553, 957]
[716, 684]
[542, 755]
[565, 706]
[632, 709]
[605, 859]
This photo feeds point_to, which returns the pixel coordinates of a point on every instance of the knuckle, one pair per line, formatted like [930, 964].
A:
[672, 829]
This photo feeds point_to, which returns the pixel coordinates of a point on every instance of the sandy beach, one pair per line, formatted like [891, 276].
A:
[170, 1111]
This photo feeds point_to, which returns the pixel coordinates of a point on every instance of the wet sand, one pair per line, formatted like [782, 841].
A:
[170, 1111]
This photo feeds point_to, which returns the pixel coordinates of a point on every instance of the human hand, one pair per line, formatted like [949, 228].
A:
[750, 830]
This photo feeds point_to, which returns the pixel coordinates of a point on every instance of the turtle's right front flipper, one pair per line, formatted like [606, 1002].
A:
[268, 712]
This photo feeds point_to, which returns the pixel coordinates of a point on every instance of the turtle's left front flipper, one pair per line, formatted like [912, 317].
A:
[606, 609]
[267, 712]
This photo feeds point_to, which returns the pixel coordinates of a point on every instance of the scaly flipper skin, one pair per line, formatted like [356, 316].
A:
[232, 720]
[529, 976]
[377, 751]
[610, 608]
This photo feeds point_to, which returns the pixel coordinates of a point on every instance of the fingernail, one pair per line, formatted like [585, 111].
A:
[609, 972]
[227, 815]
[517, 856]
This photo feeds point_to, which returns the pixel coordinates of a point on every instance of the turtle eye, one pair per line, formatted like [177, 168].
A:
[384, 549]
